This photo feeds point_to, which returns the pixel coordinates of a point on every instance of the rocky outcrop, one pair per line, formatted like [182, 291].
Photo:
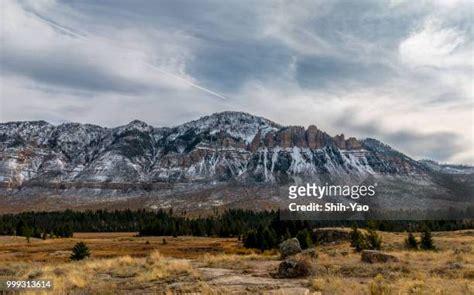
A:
[292, 136]
[255, 142]
[312, 137]
[374, 256]
[293, 268]
[289, 247]
[340, 142]
[228, 146]
[353, 144]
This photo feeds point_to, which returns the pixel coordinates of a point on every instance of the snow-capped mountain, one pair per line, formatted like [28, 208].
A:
[222, 146]
[228, 148]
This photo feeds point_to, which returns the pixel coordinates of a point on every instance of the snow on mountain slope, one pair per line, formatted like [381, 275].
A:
[227, 146]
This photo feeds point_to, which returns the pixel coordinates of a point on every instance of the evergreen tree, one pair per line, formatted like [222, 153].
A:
[250, 240]
[27, 233]
[426, 242]
[304, 237]
[357, 239]
[355, 236]
[411, 242]
[270, 238]
[80, 251]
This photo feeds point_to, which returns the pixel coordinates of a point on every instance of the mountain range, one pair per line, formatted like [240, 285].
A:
[223, 160]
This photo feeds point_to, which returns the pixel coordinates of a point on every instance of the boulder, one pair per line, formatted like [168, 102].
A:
[374, 256]
[289, 247]
[293, 268]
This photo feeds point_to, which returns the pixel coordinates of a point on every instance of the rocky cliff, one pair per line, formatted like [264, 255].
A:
[229, 148]
[222, 147]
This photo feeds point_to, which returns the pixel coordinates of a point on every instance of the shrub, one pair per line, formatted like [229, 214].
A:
[373, 240]
[411, 242]
[426, 242]
[80, 251]
[379, 286]
[358, 240]
[304, 237]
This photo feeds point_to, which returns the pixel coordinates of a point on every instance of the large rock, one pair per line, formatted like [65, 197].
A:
[289, 247]
[374, 256]
[293, 268]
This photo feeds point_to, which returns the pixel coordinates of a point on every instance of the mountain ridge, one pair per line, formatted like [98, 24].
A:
[222, 150]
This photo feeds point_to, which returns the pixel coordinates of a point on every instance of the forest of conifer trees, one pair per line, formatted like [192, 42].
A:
[263, 230]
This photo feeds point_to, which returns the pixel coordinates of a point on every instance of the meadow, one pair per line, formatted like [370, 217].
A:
[129, 264]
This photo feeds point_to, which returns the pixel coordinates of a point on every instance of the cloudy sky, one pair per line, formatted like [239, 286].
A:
[400, 71]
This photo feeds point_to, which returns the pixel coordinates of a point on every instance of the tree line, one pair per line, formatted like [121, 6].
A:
[261, 230]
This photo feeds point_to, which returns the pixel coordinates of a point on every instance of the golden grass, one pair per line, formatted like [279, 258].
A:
[108, 245]
[104, 274]
[446, 271]
[124, 262]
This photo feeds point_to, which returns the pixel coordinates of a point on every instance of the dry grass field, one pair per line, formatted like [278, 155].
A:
[125, 263]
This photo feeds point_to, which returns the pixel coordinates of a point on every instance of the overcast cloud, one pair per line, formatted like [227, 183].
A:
[399, 71]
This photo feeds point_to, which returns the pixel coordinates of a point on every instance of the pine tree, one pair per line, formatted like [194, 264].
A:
[426, 242]
[355, 236]
[304, 237]
[250, 240]
[80, 251]
[358, 240]
[411, 242]
[27, 233]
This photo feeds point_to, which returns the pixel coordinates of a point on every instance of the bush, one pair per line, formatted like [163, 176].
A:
[357, 240]
[304, 237]
[426, 242]
[379, 286]
[80, 251]
[369, 241]
[373, 240]
[411, 242]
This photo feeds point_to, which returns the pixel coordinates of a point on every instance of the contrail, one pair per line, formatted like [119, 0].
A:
[81, 35]
[185, 81]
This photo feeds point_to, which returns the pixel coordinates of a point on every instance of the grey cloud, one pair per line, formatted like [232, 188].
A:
[441, 146]
[329, 71]
[59, 69]
[312, 57]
